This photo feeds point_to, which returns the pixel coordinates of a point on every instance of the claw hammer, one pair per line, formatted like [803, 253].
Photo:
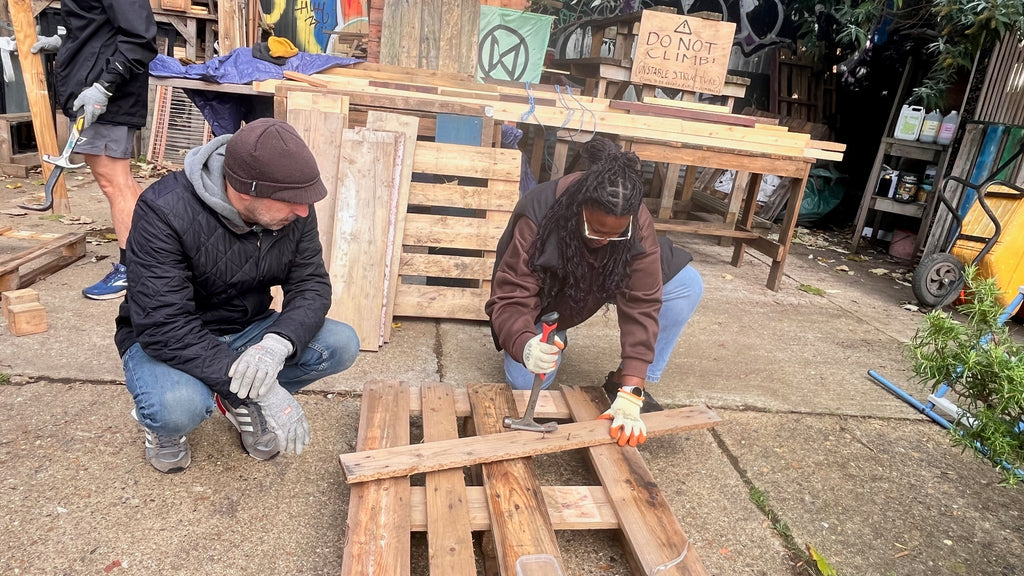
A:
[549, 322]
[60, 163]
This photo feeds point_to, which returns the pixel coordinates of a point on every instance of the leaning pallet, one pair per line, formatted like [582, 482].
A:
[512, 505]
[21, 269]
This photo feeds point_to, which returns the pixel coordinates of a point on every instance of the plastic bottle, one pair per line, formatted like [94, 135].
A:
[908, 125]
[930, 127]
[947, 130]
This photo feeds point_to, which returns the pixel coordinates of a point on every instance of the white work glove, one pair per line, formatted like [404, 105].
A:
[93, 102]
[285, 419]
[540, 357]
[627, 427]
[256, 369]
[46, 44]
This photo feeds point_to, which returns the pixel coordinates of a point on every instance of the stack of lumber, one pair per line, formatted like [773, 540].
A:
[679, 123]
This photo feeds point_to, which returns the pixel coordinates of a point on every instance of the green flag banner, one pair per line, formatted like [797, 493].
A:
[512, 44]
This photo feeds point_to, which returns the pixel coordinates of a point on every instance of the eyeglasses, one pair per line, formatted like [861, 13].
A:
[622, 236]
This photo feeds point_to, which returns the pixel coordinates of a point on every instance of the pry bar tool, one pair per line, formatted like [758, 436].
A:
[60, 163]
[549, 322]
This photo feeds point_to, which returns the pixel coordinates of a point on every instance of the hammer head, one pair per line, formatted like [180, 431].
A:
[529, 424]
[62, 161]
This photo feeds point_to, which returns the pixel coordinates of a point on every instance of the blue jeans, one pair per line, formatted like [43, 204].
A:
[172, 403]
[679, 299]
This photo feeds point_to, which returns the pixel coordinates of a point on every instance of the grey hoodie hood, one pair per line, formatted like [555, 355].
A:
[204, 168]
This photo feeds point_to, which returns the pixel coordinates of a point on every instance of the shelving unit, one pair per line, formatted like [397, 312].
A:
[892, 148]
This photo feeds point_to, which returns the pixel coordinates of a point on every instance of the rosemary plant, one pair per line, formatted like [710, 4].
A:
[983, 365]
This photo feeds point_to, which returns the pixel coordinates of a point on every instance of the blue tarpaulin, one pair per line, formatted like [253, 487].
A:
[225, 111]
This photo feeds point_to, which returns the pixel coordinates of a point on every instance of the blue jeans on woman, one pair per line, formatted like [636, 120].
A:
[172, 403]
[679, 299]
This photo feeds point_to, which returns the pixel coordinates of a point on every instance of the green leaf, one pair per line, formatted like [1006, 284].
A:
[824, 567]
[811, 289]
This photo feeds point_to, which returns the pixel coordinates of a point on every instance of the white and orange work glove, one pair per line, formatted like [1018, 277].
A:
[540, 357]
[627, 427]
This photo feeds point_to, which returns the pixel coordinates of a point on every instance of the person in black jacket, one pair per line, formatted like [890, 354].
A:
[196, 330]
[102, 72]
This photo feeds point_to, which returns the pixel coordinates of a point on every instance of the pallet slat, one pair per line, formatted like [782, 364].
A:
[378, 534]
[650, 529]
[406, 460]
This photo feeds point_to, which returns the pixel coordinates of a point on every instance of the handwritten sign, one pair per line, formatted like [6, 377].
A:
[682, 52]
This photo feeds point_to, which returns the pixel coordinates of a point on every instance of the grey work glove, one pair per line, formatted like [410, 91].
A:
[93, 102]
[256, 369]
[286, 419]
[46, 44]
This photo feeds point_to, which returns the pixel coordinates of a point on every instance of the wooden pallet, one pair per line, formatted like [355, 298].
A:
[55, 253]
[518, 512]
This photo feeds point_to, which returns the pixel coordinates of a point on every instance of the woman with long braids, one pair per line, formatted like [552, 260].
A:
[574, 245]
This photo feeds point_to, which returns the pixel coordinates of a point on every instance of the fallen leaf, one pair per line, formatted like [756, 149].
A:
[842, 268]
[878, 271]
[901, 554]
[13, 212]
[110, 567]
[811, 289]
[73, 220]
[14, 186]
[727, 276]
[857, 257]
[910, 307]
[824, 567]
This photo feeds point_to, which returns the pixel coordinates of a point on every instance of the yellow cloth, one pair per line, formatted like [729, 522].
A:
[281, 47]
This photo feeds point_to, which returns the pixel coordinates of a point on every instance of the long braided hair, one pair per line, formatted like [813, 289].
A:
[613, 184]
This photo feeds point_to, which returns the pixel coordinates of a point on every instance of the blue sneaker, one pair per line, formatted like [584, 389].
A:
[113, 285]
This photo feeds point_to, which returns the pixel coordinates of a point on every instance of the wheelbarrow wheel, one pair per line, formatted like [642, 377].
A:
[938, 280]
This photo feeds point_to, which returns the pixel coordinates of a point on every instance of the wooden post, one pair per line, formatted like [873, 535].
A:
[38, 96]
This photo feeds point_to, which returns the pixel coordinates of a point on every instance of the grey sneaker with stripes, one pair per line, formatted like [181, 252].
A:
[168, 454]
[256, 437]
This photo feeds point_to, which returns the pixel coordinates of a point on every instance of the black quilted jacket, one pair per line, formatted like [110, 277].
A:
[192, 279]
[111, 41]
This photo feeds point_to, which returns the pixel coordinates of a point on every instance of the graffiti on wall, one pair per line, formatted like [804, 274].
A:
[309, 23]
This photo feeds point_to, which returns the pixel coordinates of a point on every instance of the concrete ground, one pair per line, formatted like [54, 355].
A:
[847, 468]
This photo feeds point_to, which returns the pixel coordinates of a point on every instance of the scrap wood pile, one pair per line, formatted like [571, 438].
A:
[410, 227]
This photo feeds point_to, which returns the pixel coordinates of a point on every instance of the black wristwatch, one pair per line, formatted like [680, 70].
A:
[634, 390]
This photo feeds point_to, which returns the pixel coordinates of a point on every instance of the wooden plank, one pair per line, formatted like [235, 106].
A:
[441, 302]
[519, 521]
[378, 533]
[451, 36]
[321, 120]
[700, 115]
[444, 266]
[444, 231]
[408, 126]
[498, 195]
[411, 35]
[34, 75]
[431, 18]
[449, 534]
[686, 105]
[371, 166]
[391, 32]
[650, 529]
[474, 161]
[469, 25]
[489, 447]
[569, 507]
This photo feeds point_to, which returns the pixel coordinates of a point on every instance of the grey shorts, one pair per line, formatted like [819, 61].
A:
[107, 140]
